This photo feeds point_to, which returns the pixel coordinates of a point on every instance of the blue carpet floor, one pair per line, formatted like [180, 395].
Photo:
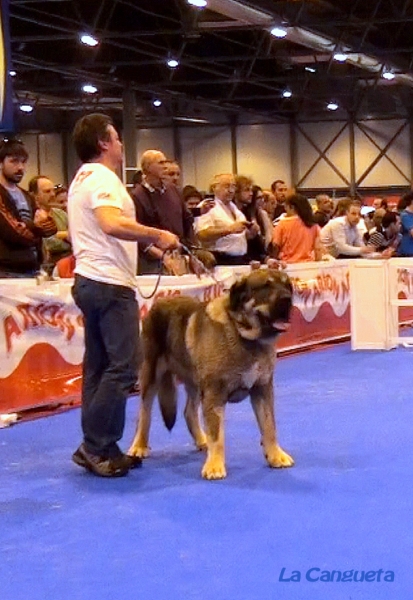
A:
[163, 533]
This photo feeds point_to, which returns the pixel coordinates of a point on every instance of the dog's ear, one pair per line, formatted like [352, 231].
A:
[239, 294]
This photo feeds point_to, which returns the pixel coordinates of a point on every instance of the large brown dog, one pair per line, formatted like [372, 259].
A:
[222, 351]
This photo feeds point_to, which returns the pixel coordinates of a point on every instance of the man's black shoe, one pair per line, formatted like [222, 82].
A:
[101, 466]
[134, 461]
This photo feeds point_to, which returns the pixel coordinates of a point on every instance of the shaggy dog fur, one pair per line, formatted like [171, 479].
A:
[222, 352]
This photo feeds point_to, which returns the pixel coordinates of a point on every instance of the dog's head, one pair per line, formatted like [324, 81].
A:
[260, 304]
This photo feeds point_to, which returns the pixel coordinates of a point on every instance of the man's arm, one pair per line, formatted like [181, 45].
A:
[340, 242]
[14, 231]
[209, 235]
[113, 223]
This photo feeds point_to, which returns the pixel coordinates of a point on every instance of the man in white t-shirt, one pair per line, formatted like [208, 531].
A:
[104, 233]
[224, 229]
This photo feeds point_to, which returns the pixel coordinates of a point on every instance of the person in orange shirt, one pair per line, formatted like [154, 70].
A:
[296, 238]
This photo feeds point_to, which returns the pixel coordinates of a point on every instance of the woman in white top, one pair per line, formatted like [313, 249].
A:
[224, 229]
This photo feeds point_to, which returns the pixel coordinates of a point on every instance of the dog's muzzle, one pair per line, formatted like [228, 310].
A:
[280, 313]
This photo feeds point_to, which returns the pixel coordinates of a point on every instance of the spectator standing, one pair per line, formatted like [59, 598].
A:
[57, 246]
[137, 178]
[342, 237]
[60, 197]
[172, 173]
[325, 209]
[223, 229]
[386, 236]
[159, 205]
[279, 189]
[296, 238]
[22, 225]
[406, 216]
[104, 233]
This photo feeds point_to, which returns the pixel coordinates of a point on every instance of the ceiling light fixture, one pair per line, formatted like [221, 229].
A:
[89, 40]
[26, 108]
[287, 94]
[172, 63]
[389, 75]
[310, 69]
[191, 119]
[340, 57]
[157, 103]
[279, 32]
[332, 106]
[197, 3]
[89, 88]
[12, 73]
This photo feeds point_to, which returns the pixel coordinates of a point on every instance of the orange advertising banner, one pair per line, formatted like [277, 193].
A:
[41, 329]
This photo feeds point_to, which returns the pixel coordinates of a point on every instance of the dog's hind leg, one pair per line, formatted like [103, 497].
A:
[140, 444]
[262, 400]
[191, 414]
[213, 409]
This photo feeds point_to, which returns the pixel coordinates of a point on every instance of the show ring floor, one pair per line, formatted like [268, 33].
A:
[163, 533]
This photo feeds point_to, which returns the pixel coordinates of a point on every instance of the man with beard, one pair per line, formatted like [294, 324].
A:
[22, 226]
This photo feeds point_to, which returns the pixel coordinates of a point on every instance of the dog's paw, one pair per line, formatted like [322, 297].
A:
[214, 469]
[139, 451]
[278, 459]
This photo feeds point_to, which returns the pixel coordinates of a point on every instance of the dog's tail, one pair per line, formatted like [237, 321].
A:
[167, 399]
[155, 377]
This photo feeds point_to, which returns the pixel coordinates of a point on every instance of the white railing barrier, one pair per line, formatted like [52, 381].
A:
[375, 286]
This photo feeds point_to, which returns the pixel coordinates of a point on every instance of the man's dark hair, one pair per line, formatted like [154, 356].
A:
[343, 206]
[405, 201]
[190, 191]
[33, 186]
[88, 132]
[13, 147]
[275, 183]
[137, 177]
[388, 219]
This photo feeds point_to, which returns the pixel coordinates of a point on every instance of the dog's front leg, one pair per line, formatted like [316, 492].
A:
[262, 400]
[213, 411]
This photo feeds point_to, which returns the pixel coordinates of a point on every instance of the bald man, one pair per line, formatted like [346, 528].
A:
[159, 204]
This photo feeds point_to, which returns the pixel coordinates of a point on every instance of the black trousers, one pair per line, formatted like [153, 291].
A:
[110, 362]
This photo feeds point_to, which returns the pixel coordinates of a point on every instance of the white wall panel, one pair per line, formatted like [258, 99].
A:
[384, 173]
[30, 142]
[51, 156]
[264, 153]
[206, 151]
[322, 135]
[154, 139]
[45, 156]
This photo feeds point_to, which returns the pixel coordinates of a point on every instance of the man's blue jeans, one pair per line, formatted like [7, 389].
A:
[110, 362]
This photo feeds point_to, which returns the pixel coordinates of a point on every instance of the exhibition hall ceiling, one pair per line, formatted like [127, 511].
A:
[236, 60]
